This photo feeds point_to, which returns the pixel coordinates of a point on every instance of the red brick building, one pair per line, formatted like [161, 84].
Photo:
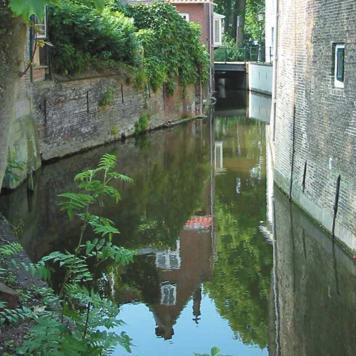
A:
[202, 12]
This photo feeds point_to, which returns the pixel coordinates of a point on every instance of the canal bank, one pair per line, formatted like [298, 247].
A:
[197, 214]
[63, 117]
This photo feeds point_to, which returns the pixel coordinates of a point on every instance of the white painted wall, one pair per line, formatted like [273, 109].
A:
[260, 77]
[259, 106]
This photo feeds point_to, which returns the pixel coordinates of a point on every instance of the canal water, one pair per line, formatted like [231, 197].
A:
[223, 259]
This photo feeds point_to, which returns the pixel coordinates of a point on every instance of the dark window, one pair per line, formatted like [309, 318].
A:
[340, 55]
[339, 64]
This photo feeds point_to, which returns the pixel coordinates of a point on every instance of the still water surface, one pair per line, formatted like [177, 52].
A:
[202, 215]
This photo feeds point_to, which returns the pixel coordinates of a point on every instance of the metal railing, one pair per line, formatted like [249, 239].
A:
[252, 53]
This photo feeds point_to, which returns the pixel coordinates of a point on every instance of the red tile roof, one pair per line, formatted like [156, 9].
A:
[199, 222]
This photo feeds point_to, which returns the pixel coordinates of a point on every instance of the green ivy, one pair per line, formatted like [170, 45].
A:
[142, 124]
[107, 98]
[171, 46]
[85, 38]
[155, 40]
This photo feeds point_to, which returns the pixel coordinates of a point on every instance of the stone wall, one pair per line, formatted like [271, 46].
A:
[79, 114]
[314, 124]
[19, 146]
[56, 118]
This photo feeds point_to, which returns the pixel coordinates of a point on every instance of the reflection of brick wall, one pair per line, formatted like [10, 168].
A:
[314, 289]
[324, 116]
[196, 267]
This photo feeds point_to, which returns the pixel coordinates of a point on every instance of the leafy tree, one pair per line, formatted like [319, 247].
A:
[27, 8]
[254, 27]
[232, 9]
[248, 11]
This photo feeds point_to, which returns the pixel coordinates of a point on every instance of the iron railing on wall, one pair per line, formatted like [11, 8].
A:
[253, 53]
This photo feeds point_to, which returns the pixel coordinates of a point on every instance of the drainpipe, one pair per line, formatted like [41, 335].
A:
[31, 39]
[211, 51]
[275, 66]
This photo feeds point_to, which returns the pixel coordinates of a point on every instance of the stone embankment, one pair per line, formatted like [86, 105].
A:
[64, 116]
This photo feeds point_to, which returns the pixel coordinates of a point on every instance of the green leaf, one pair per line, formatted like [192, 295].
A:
[27, 8]
[99, 4]
[107, 161]
[119, 176]
[75, 202]
[215, 351]
[10, 249]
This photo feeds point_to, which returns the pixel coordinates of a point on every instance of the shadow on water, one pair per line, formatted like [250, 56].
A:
[222, 257]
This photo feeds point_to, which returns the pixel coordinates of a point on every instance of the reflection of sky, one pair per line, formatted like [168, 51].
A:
[188, 338]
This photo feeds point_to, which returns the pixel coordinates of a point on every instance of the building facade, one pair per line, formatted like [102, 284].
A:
[313, 121]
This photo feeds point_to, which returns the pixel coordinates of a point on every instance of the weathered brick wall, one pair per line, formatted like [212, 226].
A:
[313, 116]
[70, 116]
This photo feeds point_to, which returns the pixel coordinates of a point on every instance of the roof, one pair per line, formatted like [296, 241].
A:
[219, 16]
[199, 222]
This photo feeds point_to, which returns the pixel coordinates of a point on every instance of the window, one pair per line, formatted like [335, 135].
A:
[217, 38]
[184, 16]
[168, 293]
[40, 26]
[169, 260]
[218, 29]
[339, 65]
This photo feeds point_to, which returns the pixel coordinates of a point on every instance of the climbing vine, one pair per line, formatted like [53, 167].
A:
[85, 38]
[171, 46]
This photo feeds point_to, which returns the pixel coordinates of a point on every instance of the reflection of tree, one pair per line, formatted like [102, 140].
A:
[241, 280]
[142, 276]
[165, 194]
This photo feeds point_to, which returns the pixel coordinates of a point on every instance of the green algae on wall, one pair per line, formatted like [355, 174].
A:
[23, 154]
[12, 53]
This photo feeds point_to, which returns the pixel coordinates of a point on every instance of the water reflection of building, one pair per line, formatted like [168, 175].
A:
[259, 106]
[313, 282]
[219, 157]
[314, 294]
[181, 273]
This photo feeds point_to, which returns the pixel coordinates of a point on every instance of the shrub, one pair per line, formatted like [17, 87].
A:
[107, 98]
[171, 46]
[229, 51]
[84, 38]
[142, 124]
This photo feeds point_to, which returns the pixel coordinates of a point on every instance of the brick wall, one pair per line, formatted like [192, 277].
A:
[70, 118]
[313, 116]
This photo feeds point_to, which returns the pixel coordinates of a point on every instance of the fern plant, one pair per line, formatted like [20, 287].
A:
[71, 322]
